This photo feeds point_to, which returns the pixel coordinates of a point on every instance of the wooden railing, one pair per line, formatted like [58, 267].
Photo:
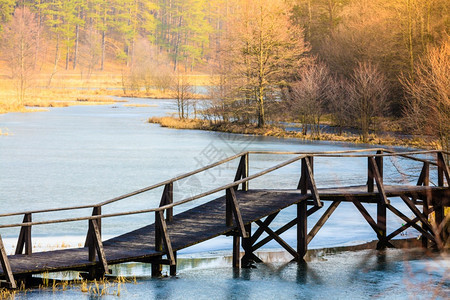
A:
[242, 177]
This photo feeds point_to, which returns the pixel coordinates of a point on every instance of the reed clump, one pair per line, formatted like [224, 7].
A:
[277, 131]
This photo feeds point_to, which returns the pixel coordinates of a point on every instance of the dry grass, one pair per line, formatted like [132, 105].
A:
[141, 105]
[275, 131]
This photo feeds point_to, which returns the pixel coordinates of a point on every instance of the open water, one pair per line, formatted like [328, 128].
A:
[87, 154]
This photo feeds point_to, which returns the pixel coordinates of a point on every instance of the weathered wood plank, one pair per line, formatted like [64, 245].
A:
[6, 266]
[166, 238]
[99, 246]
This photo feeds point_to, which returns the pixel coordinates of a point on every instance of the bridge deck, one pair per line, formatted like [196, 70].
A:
[193, 226]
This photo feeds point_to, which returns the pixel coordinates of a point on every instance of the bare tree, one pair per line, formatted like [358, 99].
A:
[337, 106]
[183, 94]
[367, 92]
[262, 48]
[18, 45]
[309, 95]
[427, 107]
[90, 53]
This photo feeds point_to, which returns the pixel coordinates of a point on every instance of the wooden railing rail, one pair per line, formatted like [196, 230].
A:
[161, 208]
[221, 188]
[174, 179]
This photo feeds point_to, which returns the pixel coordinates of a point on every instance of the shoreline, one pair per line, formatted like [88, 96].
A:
[274, 131]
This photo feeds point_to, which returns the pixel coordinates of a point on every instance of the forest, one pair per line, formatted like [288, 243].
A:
[373, 65]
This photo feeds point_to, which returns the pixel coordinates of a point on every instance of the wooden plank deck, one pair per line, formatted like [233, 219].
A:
[193, 226]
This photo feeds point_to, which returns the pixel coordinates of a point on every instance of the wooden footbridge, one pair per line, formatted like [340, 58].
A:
[235, 211]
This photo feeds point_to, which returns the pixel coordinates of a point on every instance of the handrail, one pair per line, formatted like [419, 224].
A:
[162, 208]
[302, 154]
[171, 180]
[47, 210]
[140, 191]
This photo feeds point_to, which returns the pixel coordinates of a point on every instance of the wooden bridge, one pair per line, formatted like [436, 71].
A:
[235, 211]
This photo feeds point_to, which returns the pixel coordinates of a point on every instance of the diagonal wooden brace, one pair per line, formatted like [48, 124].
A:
[165, 236]
[409, 221]
[260, 230]
[368, 218]
[322, 221]
[378, 180]
[277, 238]
[97, 243]
[6, 266]
[233, 205]
[312, 184]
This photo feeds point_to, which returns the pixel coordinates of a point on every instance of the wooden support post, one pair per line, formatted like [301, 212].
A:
[378, 167]
[424, 180]
[173, 268]
[379, 180]
[381, 222]
[302, 230]
[6, 266]
[307, 180]
[245, 172]
[247, 243]
[236, 251]
[370, 178]
[97, 247]
[424, 177]
[426, 212]
[96, 211]
[156, 266]
[242, 172]
[24, 240]
[167, 198]
[443, 170]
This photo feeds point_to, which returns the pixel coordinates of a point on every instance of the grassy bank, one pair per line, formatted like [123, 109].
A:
[275, 131]
[71, 88]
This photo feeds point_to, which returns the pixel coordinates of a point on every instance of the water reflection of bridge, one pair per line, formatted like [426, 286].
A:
[235, 210]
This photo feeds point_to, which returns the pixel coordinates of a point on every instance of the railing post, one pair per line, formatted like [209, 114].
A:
[167, 198]
[24, 240]
[96, 247]
[157, 267]
[443, 172]
[242, 171]
[96, 211]
[381, 205]
[245, 171]
[424, 180]
[228, 211]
